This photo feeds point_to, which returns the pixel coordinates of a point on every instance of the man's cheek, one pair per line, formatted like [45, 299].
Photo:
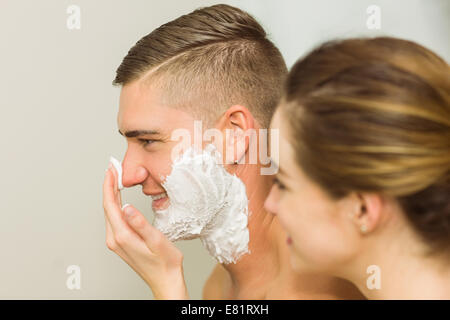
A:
[159, 168]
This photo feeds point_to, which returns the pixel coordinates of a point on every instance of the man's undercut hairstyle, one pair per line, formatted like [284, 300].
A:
[207, 61]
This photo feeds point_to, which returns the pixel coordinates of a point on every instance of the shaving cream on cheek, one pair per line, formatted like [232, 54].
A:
[206, 202]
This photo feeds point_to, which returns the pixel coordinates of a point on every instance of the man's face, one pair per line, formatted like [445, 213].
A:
[148, 157]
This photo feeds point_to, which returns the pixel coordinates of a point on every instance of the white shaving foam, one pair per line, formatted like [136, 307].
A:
[206, 202]
[118, 165]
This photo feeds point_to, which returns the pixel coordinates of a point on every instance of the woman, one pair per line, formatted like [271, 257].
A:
[363, 183]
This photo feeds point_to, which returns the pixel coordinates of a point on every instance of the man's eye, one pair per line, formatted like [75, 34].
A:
[146, 142]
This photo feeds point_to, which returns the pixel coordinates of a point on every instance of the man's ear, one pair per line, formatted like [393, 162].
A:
[236, 121]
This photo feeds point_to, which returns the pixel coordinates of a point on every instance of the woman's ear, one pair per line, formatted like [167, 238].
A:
[236, 123]
[368, 212]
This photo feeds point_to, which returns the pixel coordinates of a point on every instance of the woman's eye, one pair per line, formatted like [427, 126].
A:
[280, 185]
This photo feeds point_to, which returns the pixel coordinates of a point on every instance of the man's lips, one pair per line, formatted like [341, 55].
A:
[153, 194]
[158, 196]
[159, 200]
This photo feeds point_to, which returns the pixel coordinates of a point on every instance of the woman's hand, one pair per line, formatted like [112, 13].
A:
[143, 247]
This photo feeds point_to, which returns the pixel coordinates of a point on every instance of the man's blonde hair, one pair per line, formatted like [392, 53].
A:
[207, 61]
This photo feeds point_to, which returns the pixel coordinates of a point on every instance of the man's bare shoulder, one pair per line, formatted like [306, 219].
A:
[217, 283]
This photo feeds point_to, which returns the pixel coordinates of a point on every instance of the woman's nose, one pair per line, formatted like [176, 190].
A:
[271, 202]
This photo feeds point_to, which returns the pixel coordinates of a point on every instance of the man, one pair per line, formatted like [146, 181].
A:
[215, 65]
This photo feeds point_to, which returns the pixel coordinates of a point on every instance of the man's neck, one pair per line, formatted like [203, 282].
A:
[260, 266]
[253, 271]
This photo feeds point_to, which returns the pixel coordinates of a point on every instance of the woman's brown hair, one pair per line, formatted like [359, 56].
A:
[373, 115]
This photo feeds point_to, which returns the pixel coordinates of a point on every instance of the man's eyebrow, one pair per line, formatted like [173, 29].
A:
[137, 133]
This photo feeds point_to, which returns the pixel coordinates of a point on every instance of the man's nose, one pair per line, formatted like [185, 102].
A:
[134, 172]
[133, 175]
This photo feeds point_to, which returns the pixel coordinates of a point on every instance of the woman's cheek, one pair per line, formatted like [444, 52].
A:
[314, 238]
[287, 215]
[329, 248]
[297, 225]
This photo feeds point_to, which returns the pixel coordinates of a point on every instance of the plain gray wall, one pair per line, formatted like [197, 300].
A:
[59, 127]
